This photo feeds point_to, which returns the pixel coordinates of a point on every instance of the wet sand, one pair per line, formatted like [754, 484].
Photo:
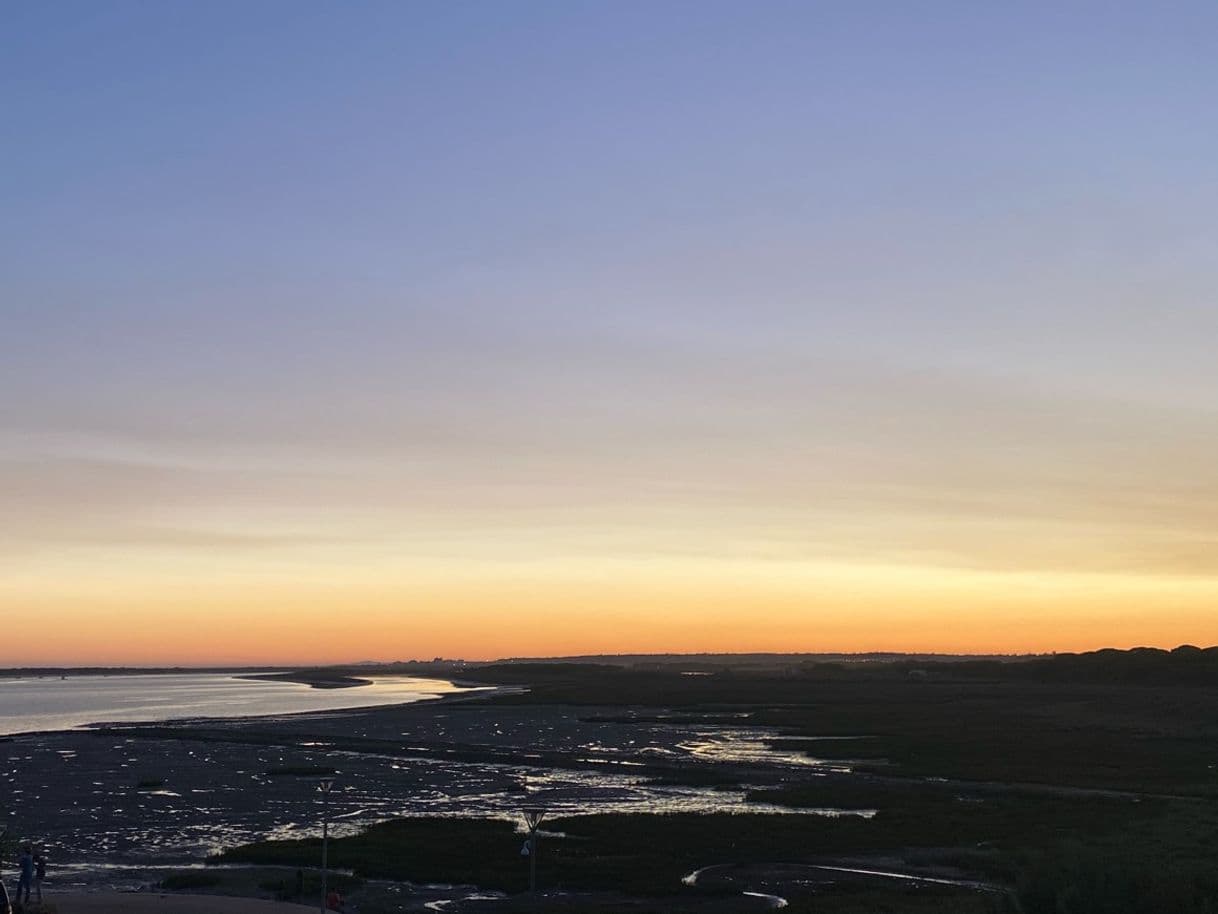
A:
[119, 807]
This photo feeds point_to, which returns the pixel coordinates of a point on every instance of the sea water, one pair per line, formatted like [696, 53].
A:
[33, 704]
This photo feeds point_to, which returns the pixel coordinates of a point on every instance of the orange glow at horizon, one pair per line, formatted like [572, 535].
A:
[605, 607]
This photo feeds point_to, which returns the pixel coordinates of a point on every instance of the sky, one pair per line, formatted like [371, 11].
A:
[333, 332]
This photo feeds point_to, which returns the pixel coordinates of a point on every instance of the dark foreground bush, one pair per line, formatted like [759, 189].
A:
[302, 885]
[179, 882]
[1079, 883]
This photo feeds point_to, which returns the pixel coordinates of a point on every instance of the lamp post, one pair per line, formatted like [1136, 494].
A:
[532, 818]
[325, 785]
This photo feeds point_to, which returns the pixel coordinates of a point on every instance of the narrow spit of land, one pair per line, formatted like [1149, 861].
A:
[317, 679]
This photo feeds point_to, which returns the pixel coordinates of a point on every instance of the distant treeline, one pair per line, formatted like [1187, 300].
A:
[1186, 665]
[759, 662]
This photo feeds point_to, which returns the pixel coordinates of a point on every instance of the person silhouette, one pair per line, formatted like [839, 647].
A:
[40, 873]
[25, 875]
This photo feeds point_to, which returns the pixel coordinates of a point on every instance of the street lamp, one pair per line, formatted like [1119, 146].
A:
[532, 818]
[325, 785]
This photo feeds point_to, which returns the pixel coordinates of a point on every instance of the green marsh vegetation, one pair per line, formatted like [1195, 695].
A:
[282, 885]
[1073, 788]
[983, 721]
[1039, 846]
[189, 880]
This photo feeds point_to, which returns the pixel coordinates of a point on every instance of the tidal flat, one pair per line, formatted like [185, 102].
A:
[133, 795]
[871, 794]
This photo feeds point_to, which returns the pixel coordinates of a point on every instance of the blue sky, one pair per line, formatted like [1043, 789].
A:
[926, 285]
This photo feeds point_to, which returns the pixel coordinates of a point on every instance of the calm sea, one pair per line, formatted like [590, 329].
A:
[34, 704]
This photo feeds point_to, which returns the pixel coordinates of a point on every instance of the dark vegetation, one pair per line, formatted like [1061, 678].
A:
[1079, 880]
[186, 881]
[1143, 852]
[1077, 784]
[1147, 740]
[303, 886]
[1084, 733]
[288, 888]
[994, 839]
[1185, 665]
[852, 900]
[901, 900]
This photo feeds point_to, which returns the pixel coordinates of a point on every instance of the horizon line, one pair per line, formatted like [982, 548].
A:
[252, 667]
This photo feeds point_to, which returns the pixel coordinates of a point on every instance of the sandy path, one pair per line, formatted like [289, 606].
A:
[139, 902]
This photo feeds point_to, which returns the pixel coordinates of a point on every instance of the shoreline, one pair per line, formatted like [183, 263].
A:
[468, 691]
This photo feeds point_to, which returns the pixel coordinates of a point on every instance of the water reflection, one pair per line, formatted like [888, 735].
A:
[80, 794]
[42, 704]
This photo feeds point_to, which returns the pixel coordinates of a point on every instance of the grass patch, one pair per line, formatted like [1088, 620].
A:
[308, 886]
[999, 839]
[1102, 733]
[463, 851]
[920, 900]
[181, 882]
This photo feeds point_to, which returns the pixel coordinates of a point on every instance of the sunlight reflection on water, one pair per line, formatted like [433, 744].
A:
[78, 792]
[49, 703]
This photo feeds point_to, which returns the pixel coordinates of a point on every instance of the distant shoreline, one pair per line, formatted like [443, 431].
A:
[333, 684]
